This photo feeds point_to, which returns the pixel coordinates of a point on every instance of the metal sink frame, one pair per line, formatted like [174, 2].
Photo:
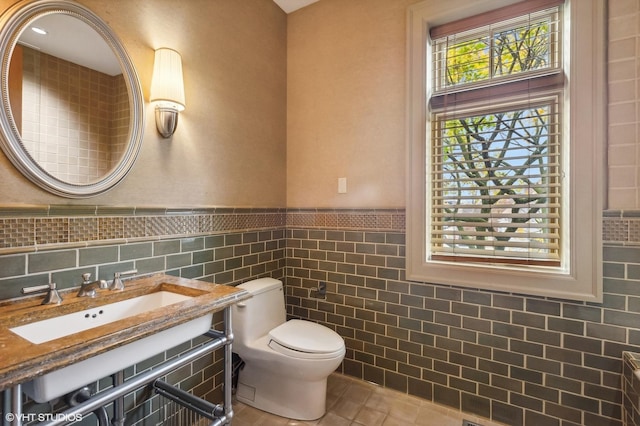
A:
[13, 397]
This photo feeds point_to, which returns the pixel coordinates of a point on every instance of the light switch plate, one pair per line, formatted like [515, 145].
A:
[342, 185]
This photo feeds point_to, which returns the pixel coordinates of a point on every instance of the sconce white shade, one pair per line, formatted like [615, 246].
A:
[167, 86]
[167, 90]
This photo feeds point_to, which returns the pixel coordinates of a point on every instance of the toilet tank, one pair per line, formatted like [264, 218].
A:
[265, 310]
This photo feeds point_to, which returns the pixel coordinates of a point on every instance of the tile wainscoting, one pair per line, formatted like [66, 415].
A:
[227, 246]
[513, 358]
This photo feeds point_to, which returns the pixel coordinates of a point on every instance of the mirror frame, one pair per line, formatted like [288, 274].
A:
[12, 22]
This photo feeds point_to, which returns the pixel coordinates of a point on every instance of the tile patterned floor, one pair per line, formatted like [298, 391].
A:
[352, 402]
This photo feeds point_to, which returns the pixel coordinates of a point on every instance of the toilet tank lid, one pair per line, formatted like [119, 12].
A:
[260, 285]
[307, 336]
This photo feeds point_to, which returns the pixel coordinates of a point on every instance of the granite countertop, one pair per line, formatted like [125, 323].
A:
[21, 360]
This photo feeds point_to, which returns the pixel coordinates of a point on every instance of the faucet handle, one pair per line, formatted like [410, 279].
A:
[86, 279]
[36, 288]
[117, 283]
[52, 297]
[130, 272]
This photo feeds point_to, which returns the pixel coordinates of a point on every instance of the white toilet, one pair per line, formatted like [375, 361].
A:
[286, 362]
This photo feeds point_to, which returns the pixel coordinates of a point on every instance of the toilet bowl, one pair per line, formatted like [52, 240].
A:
[286, 362]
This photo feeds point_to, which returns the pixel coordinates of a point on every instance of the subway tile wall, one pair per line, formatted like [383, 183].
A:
[512, 358]
[58, 243]
[509, 357]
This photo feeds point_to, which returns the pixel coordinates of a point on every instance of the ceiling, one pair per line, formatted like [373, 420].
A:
[292, 5]
[73, 40]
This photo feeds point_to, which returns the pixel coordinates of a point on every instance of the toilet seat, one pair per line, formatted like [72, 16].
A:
[305, 339]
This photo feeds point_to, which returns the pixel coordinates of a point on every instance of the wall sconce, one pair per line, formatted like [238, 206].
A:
[167, 90]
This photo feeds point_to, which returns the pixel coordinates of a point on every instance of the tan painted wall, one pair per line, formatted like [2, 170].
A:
[346, 113]
[346, 104]
[242, 143]
[230, 145]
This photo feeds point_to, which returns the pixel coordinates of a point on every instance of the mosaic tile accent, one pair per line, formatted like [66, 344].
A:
[398, 221]
[175, 225]
[134, 227]
[615, 230]
[192, 224]
[373, 219]
[26, 227]
[275, 220]
[385, 221]
[302, 219]
[224, 222]
[111, 228]
[634, 230]
[32, 227]
[17, 232]
[155, 226]
[52, 230]
[331, 220]
[205, 224]
[344, 221]
[621, 226]
[83, 229]
[249, 221]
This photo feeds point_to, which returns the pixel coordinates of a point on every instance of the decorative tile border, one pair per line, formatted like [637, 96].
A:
[362, 219]
[618, 226]
[17, 232]
[39, 228]
[33, 228]
[621, 226]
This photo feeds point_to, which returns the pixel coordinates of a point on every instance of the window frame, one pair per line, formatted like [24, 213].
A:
[585, 32]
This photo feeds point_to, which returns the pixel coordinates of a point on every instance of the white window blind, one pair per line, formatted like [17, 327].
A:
[495, 157]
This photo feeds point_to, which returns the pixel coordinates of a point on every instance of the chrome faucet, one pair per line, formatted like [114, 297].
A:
[51, 298]
[88, 287]
[117, 283]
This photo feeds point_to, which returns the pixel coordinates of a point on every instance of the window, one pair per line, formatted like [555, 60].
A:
[495, 167]
[505, 146]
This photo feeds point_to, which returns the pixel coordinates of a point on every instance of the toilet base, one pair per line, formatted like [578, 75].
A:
[283, 396]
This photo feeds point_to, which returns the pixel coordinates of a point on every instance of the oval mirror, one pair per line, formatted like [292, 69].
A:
[73, 112]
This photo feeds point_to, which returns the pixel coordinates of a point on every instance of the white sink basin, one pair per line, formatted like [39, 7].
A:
[65, 325]
[60, 382]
